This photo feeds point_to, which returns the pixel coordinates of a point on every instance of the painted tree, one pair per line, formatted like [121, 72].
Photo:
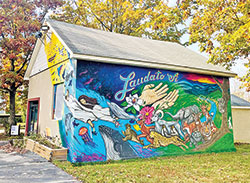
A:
[223, 129]
[222, 29]
[149, 18]
[19, 21]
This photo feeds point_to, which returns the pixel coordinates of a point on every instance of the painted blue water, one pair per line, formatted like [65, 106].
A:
[213, 110]
[76, 143]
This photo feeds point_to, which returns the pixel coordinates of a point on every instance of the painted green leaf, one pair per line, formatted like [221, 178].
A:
[129, 109]
[157, 107]
[133, 110]
[123, 104]
[134, 92]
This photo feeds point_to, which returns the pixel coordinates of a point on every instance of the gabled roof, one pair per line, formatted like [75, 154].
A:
[97, 45]
[239, 102]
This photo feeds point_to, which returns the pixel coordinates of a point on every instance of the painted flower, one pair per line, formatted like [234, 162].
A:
[147, 113]
[134, 101]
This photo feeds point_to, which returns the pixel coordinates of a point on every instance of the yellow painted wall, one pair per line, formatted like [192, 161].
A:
[57, 58]
[241, 125]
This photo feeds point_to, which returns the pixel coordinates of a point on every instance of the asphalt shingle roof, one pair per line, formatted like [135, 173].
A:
[88, 41]
[237, 101]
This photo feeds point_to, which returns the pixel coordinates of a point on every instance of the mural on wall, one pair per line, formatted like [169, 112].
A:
[57, 58]
[120, 112]
[61, 70]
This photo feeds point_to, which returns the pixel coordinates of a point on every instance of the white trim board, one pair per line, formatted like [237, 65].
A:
[240, 107]
[150, 65]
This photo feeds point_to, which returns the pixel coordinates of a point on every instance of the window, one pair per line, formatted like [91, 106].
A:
[58, 102]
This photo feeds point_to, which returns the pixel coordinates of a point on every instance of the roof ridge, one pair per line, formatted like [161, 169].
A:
[115, 33]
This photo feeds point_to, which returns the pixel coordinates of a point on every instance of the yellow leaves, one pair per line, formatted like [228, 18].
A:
[241, 4]
[186, 14]
[126, 5]
[242, 32]
[6, 64]
[226, 25]
[80, 3]
[140, 18]
[246, 80]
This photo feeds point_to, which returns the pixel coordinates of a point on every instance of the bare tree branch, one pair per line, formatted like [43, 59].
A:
[98, 19]
[25, 62]
[5, 89]
[79, 15]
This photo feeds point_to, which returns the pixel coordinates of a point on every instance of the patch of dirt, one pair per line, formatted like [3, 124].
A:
[8, 148]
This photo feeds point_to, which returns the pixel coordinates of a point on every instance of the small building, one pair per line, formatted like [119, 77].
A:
[113, 96]
[241, 119]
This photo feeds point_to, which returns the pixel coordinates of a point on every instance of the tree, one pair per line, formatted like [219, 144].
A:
[144, 18]
[19, 21]
[222, 29]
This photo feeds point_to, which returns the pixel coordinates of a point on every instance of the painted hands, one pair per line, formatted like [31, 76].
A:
[158, 96]
[150, 94]
[167, 101]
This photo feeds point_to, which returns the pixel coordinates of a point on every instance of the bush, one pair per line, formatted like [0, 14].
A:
[6, 125]
[4, 122]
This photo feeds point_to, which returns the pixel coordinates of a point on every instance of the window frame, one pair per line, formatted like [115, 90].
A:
[55, 87]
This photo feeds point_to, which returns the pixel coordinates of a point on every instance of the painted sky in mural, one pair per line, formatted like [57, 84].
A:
[120, 112]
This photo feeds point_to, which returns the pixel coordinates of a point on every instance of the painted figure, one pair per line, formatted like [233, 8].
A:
[131, 135]
[118, 112]
[189, 128]
[209, 127]
[145, 131]
[195, 138]
[116, 148]
[221, 105]
[160, 140]
[166, 128]
[83, 132]
[185, 114]
[87, 110]
[68, 123]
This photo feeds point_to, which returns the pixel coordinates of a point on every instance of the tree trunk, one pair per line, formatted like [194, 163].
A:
[226, 97]
[224, 127]
[12, 95]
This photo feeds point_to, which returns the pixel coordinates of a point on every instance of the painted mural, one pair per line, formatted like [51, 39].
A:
[120, 112]
[57, 58]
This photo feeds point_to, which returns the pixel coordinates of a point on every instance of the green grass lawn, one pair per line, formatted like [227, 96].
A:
[216, 167]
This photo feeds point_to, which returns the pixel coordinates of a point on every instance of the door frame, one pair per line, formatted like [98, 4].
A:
[28, 114]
